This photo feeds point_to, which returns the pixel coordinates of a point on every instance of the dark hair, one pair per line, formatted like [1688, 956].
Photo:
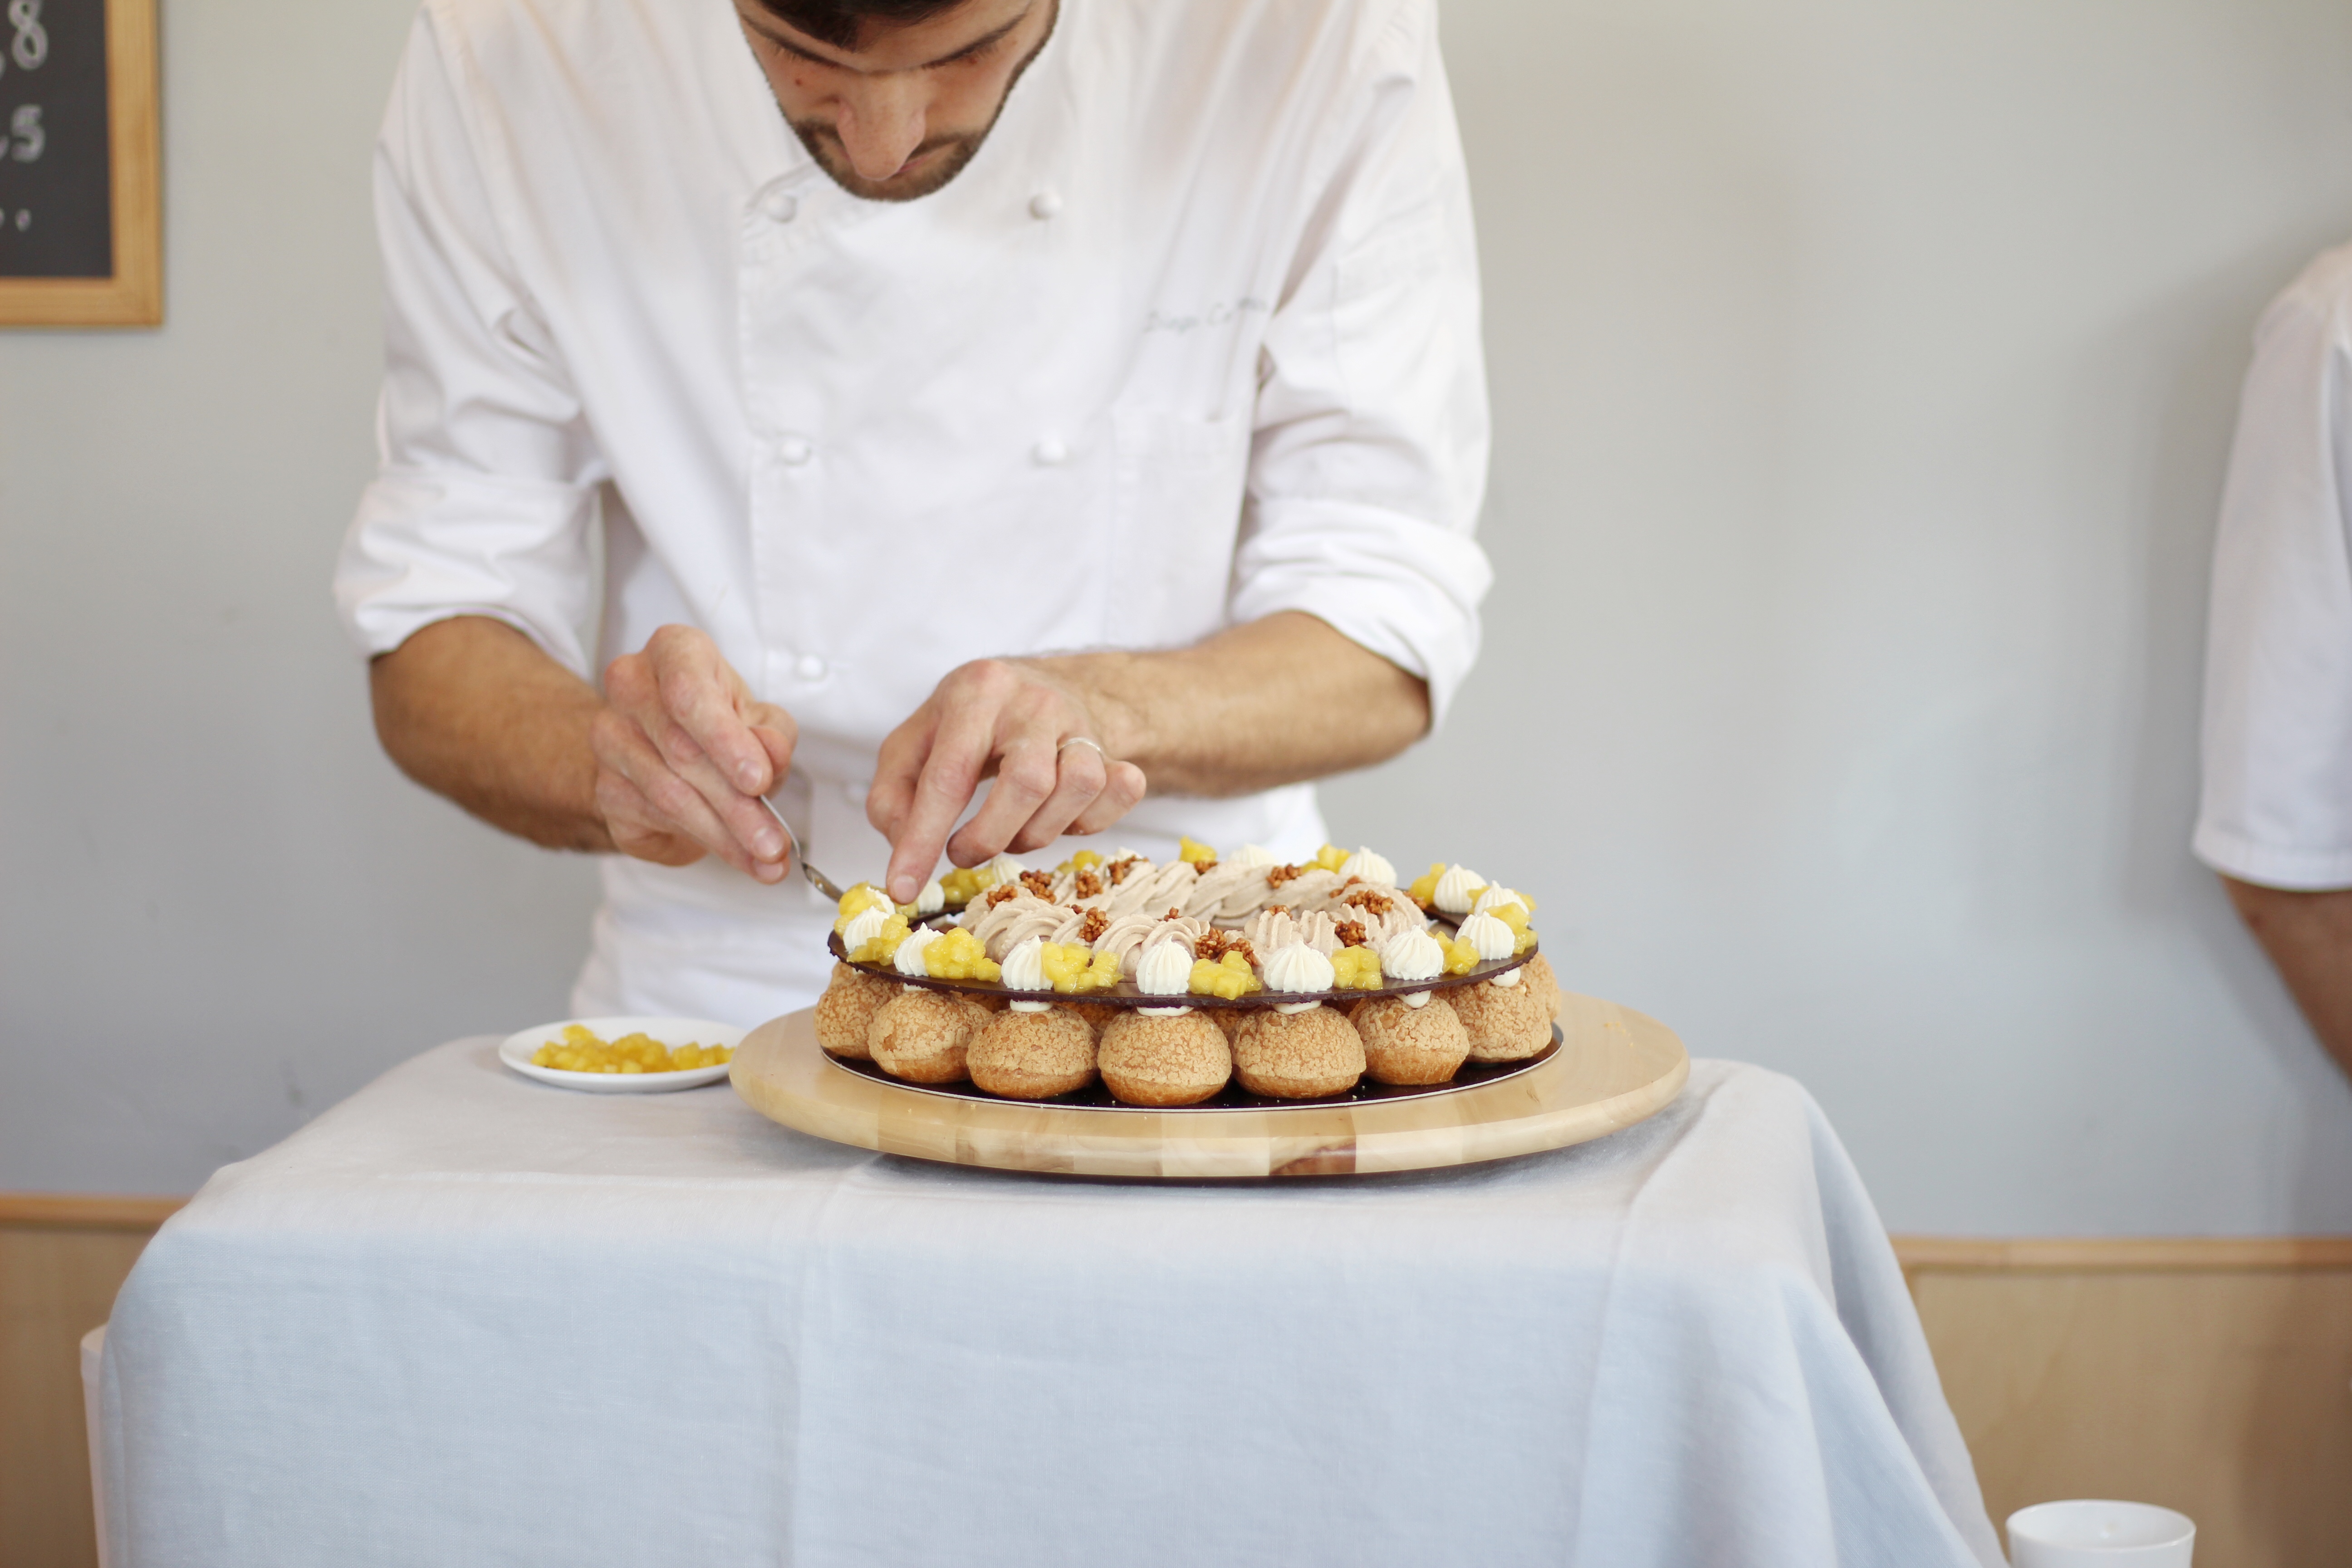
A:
[842, 23]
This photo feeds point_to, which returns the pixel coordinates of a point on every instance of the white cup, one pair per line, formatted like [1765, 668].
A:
[2091, 1533]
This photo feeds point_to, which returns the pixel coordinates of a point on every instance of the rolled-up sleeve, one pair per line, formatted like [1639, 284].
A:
[486, 489]
[2277, 804]
[1369, 458]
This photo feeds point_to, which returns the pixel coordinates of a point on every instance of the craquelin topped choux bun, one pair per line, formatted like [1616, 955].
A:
[922, 1036]
[1298, 1050]
[1505, 1023]
[1023, 1055]
[1539, 973]
[846, 1010]
[1408, 1045]
[1149, 1058]
[1507, 1018]
[1415, 1038]
[1164, 1056]
[1297, 1055]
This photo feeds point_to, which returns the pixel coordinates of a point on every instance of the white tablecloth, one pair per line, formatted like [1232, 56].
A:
[465, 1319]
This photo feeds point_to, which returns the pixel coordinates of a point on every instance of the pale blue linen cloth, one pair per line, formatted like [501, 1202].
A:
[466, 1319]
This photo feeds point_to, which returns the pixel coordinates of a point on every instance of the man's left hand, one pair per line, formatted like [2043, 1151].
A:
[1035, 733]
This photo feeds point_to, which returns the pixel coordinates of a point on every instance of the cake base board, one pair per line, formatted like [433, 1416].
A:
[1614, 1068]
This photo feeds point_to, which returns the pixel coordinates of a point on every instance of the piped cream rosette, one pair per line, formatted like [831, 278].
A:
[1456, 890]
[1492, 941]
[1413, 955]
[1025, 970]
[863, 928]
[1299, 971]
[1165, 969]
[908, 959]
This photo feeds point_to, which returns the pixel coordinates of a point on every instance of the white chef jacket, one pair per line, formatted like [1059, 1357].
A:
[2277, 807]
[1194, 339]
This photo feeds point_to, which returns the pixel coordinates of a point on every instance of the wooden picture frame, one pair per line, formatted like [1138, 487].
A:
[133, 295]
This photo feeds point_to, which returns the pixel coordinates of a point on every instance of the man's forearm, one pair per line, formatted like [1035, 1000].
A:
[2309, 938]
[1271, 702]
[471, 708]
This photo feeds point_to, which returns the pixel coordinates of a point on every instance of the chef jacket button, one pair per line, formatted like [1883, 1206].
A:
[792, 449]
[1052, 452]
[1044, 203]
[783, 205]
[809, 667]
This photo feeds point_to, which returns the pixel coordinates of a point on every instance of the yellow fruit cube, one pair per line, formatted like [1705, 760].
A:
[1355, 969]
[883, 945]
[1196, 853]
[958, 956]
[857, 900]
[1229, 977]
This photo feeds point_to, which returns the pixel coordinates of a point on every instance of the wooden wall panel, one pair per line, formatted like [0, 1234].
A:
[2215, 1378]
[62, 1258]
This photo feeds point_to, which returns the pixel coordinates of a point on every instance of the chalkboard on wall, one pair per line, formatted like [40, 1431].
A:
[80, 232]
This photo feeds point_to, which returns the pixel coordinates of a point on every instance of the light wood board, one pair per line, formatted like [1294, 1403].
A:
[1614, 1068]
[2205, 1374]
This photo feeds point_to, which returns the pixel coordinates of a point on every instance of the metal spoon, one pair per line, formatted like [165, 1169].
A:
[817, 879]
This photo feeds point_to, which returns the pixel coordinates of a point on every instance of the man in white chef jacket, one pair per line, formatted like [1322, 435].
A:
[893, 349]
[2276, 818]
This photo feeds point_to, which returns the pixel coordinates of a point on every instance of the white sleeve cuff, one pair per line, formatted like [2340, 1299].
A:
[1407, 590]
[428, 547]
[2294, 870]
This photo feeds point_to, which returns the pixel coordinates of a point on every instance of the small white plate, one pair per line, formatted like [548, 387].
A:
[516, 1051]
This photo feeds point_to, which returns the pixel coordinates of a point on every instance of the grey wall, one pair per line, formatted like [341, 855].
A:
[220, 909]
[1862, 374]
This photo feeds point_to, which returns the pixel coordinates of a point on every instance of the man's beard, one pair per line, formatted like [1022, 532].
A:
[949, 156]
[950, 153]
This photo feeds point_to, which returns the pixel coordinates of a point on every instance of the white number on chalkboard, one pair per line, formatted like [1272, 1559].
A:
[29, 136]
[31, 45]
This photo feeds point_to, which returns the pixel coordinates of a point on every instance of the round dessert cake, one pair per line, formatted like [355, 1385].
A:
[1169, 982]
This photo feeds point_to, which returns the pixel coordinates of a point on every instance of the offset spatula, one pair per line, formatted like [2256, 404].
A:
[817, 879]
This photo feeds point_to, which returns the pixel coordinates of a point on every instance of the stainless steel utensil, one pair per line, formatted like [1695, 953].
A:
[817, 879]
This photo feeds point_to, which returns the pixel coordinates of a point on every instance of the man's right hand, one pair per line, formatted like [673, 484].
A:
[683, 754]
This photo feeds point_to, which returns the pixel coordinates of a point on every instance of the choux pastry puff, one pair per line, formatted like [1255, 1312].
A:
[1416, 1038]
[1508, 1019]
[1298, 1050]
[1539, 973]
[1408, 1045]
[923, 1035]
[846, 1010]
[1163, 1056]
[1032, 1051]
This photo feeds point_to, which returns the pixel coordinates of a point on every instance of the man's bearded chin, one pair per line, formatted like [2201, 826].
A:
[947, 156]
